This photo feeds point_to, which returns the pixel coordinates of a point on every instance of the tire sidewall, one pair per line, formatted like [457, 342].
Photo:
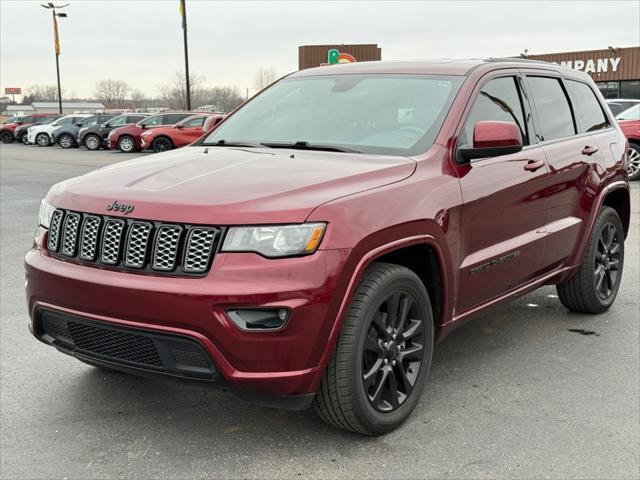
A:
[366, 413]
[6, 137]
[635, 147]
[23, 138]
[88, 138]
[608, 215]
[43, 135]
[62, 138]
[156, 142]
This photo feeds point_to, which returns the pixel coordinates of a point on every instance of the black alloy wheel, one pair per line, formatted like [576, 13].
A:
[161, 144]
[393, 352]
[607, 261]
[594, 286]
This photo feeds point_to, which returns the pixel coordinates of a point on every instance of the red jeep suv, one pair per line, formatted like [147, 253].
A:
[312, 248]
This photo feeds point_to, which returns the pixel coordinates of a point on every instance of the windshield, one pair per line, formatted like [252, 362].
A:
[632, 113]
[380, 114]
[46, 120]
[13, 120]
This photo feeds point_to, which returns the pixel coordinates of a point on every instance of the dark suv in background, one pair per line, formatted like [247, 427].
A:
[95, 136]
[67, 135]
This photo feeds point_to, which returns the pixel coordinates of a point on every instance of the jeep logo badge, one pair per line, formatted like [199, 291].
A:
[120, 207]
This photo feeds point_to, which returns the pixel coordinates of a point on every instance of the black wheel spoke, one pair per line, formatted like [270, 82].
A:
[393, 391]
[404, 380]
[380, 387]
[599, 274]
[372, 345]
[392, 310]
[615, 249]
[413, 353]
[412, 329]
[406, 303]
[379, 323]
[371, 376]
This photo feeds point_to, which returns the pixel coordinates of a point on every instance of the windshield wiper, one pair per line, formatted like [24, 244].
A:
[302, 145]
[224, 143]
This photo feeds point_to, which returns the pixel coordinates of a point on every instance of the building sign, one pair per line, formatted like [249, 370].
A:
[334, 56]
[599, 65]
[13, 91]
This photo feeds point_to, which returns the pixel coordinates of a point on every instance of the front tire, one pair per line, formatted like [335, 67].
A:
[6, 137]
[126, 144]
[161, 144]
[593, 288]
[24, 138]
[377, 372]
[66, 141]
[633, 161]
[92, 142]
[43, 140]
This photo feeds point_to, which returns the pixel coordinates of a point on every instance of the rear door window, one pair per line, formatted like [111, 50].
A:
[498, 100]
[173, 118]
[586, 107]
[194, 122]
[135, 118]
[117, 121]
[554, 119]
[152, 121]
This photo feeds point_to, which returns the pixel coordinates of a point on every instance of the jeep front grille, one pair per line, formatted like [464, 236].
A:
[133, 244]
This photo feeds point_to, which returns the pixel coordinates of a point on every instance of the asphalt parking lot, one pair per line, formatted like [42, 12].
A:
[515, 393]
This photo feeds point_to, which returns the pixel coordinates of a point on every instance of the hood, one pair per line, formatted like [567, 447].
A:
[228, 186]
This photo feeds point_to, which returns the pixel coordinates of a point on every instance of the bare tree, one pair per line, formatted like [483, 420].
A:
[112, 93]
[174, 93]
[138, 98]
[41, 93]
[222, 99]
[264, 77]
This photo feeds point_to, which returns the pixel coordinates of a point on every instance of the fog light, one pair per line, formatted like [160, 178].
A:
[259, 318]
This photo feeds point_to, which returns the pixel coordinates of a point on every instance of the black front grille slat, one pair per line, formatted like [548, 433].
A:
[123, 243]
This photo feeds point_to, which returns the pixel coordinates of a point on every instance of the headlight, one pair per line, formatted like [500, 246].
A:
[275, 240]
[46, 212]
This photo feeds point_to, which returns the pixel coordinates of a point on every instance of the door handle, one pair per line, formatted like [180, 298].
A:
[533, 165]
[588, 151]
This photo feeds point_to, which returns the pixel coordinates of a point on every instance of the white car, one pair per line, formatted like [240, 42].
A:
[41, 134]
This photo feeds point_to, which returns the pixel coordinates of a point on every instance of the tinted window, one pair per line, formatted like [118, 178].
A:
[194, 122]
[499, 100]
[554, 119]
[65, 121]
[118, 121]
[151, 121]
[28, 120]
[589, 114]
[173, 118]
[632, 113]
[135, 118]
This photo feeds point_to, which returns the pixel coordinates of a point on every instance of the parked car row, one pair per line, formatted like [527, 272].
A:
[127, 132]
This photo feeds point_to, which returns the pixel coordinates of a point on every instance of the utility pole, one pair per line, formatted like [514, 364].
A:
[183, 13]
[56, 43]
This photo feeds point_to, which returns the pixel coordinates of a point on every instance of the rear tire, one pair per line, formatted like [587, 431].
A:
[593, 288]
[378, 369]
[6, 137]
[66, 141]
[633, 161]
[43, 140]
[162, 144]
[92, 142]
[127, 144]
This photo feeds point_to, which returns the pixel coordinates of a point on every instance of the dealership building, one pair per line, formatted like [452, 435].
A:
[616, 71]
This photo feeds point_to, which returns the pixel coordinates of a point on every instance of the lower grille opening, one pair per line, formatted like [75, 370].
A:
[173, 354]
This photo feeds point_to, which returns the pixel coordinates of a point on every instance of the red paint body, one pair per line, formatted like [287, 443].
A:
[631, 129]
[23, 121]
[136, 130]
[468, 214]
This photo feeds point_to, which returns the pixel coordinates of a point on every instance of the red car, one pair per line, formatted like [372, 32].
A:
[8, 128]
[629, 122]
[182, 133]
[312, 248]
[127, 139]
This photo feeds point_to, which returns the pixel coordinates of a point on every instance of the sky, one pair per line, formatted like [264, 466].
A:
[141, 41]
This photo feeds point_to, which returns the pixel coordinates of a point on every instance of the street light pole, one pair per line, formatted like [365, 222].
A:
[56, 44]
[183, 12]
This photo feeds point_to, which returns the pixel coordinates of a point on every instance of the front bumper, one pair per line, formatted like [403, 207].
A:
[275, 363]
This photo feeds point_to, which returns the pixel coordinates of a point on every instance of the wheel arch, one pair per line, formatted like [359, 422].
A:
[620, 200]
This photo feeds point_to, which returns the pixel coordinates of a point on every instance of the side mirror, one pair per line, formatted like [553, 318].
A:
[178, 126]
[492, 139]
[79, 124]
[19, 123]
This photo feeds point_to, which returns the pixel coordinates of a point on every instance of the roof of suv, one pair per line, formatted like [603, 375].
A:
[443, 66]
